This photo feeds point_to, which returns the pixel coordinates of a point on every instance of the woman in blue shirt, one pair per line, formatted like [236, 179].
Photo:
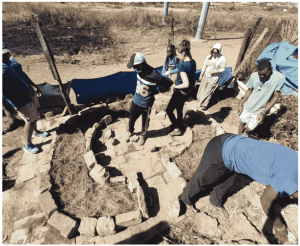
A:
[169, 69]
[182, 87]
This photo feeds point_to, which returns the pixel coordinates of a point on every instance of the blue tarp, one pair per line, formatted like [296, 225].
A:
[279, 54]
[121, 83]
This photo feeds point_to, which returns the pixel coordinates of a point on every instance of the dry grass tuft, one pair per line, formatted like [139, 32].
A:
[75, 192]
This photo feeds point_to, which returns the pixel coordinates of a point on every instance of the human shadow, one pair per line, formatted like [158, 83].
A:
[220, 95]
[222, 114]
[193, 118]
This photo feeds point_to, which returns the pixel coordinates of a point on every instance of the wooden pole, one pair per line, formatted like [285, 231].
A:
[52, 66]
[248, 54]
[252, 33]
[166, 7]
[243, 47]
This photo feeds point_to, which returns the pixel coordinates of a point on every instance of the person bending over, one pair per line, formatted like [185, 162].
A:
[227, 155]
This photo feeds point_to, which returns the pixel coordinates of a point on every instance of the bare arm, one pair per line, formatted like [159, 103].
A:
[247, 95]
[185, 81]
[272, 102]
[268, 200]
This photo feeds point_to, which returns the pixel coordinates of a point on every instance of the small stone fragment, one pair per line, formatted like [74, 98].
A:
[97, 172]
[105, 226]
[128, 219]
[152, 148]
[118, 179]
[142, 202]
[90, 159]
[88, 227]
[206, 224]
[174, 208]
[66, 225]
[173, 170]
[90, 133]
[220, 131]
[26, 172]
[132, 175]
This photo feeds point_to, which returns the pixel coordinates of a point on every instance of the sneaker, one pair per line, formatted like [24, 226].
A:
[176, 132]
[30, 148]
[127, 138]
[40, 134]
[142, 140]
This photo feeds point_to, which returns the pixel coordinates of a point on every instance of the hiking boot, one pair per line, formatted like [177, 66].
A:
[176, 132]
[40, 134]
[127, 138]
[30, 148]
[142, 140]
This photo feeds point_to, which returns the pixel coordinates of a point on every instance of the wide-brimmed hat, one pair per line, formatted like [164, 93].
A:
[135, 59]
[5, 49]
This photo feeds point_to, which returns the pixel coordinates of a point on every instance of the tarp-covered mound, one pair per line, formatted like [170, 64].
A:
[279, 54]
[121, 83]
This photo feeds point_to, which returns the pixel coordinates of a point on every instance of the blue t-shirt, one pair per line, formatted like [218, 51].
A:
[267, 163]
[190, 69]
[16, 88]
[173, 63]
[262, 91]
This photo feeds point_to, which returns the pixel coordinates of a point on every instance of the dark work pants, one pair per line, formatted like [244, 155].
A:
[211, 173]
[177, 102]
[135, 112]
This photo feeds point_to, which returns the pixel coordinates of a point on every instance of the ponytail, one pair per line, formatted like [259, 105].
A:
[185, 47]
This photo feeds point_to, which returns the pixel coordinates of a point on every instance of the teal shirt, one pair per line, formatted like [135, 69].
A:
[258, 100]
[266, 163]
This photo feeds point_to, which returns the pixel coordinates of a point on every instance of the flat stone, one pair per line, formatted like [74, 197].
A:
[47, 203]
[118, 160]
[240, 229]
[27, 221]
[45, 168]
[99, 240]
[66, 225]
[128, 219]
[84, 240]
[153, 113]
[19, 236]
[290, 215]
[174, 208]
[44, 182]
[207, 226]
[173, 170]
[27, 158]
[182, 182]
[90, 159]
[97, 173]
[63, 120]
[105, 226]
[123, 237]
[220, 131]
[26, 172]
[131, 175]
[88, 227]
[118, 179]
[96, 125]
[142, 202]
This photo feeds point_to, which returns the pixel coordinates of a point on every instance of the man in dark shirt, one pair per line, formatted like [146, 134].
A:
[147, 81]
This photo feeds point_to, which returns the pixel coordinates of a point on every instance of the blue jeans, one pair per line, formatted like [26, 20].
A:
[211, 173]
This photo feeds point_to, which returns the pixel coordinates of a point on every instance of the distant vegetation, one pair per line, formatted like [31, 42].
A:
[223, 17]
